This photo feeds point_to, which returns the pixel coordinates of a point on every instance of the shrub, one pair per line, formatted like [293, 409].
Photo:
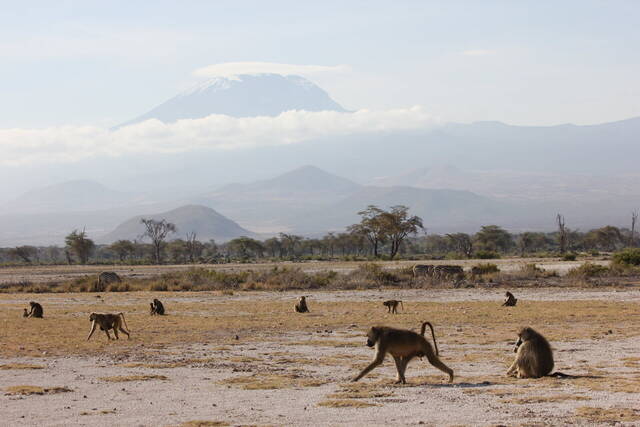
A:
[629, 256]
[486, 255]
[588, 270]
[375, 273]
[569, 257]
[487, 268]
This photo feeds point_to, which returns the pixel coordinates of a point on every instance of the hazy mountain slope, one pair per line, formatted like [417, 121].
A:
[243, 96]
[207, 223]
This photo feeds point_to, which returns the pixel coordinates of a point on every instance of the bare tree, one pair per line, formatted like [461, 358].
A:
[634, 219]
[562, 233]
[157, 231]
[194, 248]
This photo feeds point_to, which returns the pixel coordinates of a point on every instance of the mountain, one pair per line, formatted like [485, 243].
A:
[76, 196]
[246, 95]
[205, 222]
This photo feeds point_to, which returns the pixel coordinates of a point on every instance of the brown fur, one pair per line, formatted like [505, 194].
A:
[510, 301]
[36, 310]
[301, 306]
[108, 321]
[534, 358]
[403, 345]
[392, 305]
[156, 307]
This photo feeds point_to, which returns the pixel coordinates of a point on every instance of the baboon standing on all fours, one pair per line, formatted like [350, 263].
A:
[36, 310]
[510, 301]
[392, 306]
[301, 306]
[108, 321]
[534, 358]
[156, 307]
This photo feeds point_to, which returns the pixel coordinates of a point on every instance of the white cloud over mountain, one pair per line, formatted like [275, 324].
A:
[229, 69]
[214, 132]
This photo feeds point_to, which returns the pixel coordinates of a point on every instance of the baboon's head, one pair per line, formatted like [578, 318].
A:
[156, 301]
[508, 294]
[303, 299]
[32, 303]
[525, 334]
[92, 317]
[372, 336]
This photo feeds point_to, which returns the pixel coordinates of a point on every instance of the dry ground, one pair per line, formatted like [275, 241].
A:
[247, 359]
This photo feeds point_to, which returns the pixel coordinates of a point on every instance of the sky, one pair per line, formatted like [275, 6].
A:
[96, 64]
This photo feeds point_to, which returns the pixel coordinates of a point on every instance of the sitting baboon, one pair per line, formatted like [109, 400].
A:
[157, 307]
[108, 321]
[510, 301]
[301, 306]
[392, 306]
[36, 310]
[107, 277]
[25, 313]
[403, 345]
[422, 270]
[534, 358]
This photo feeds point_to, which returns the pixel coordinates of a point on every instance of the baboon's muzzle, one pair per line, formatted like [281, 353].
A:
[515, 350]
[370, 343]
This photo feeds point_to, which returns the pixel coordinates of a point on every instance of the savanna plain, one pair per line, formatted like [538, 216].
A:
[242, 356]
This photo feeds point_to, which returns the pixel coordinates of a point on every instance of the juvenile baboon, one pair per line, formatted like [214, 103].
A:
[301, 306]
[510, 301]
[422, 270]
[25, 313]
[157, 307]
[108, 321]
[36, 310]
[403, 345]
[534, 358]
[392, 305]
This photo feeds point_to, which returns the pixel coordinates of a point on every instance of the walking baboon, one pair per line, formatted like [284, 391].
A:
[301, 306]
[510, 301]
[403, 345]
[392, 305]
[108, 321]
[534, 358]
[433, 335]
[157, 307]
[422, 270]
[36, 310]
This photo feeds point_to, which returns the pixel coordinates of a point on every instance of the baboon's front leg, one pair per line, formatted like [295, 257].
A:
[376, 362]
[106, 331]
[513, 368]
[399, 368]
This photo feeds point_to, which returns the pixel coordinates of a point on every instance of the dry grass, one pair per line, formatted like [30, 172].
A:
[545, 399]
[345, 403]
[125, 378]
[8, 366]
[610, 415]
[27, 390]
[272, 381]
[167, 365]
[201, 423]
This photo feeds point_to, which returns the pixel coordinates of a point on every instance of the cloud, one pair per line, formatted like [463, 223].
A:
[215, 132]
[478, 52]
[228, 69]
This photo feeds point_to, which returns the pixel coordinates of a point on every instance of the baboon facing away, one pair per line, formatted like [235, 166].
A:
[534, 358]
[108, 321]
[36, 310]
[301, 306]
[403, 345]
[510, 301]
[157, 307]
[392, 306]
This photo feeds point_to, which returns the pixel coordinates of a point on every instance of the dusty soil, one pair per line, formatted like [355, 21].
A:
[291, 369]
[59, 273]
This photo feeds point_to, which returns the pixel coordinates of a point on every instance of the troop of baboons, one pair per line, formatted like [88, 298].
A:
[534, 357]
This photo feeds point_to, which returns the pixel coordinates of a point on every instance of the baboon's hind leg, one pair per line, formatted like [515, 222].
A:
[125, 332]
[400, 368]
[435, 361]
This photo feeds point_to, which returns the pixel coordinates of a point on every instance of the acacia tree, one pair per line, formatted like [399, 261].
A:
[462, 242]
[290, 243]
[123, 248]
[371, 227]
[494, 238]
[25, 253]
[397, 225]
[562, 233]
[78, 243]
[157, 231]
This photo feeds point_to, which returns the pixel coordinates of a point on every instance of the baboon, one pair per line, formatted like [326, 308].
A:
[108, 321]
[403, 345]
[433, 335]
[422, 270]
[534, 358]
[301, 306]
[25, 313]
[157, 307]
[107, 277]
[510, 301]
[392, 305]
[36, 310]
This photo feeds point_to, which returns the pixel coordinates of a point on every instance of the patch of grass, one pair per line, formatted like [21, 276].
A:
[201, 423]
[345, 403]
[602, 415]
[125, 378]
[167, 365]
[545, 399]
[27, 390]
[587, 270]
[272, 381]
[8, 366]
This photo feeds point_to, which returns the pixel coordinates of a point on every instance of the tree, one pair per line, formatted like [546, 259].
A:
[371, 227]
[634, 219]
[194, 247]
[25, 253]
[562, 233]
[123, 248]
[78, 244]
[397, 225]
[530, 241]
[157, 231]
[245, 247]
[606, 238]
[274, 247]
[494, 238]
[290, 243]
[462, 242]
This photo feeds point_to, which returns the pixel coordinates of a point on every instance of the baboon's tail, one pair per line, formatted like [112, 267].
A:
[123, 320]
[433, 334]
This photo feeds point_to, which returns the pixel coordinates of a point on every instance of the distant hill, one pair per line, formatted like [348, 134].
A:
[206, 222]
[243, 96]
